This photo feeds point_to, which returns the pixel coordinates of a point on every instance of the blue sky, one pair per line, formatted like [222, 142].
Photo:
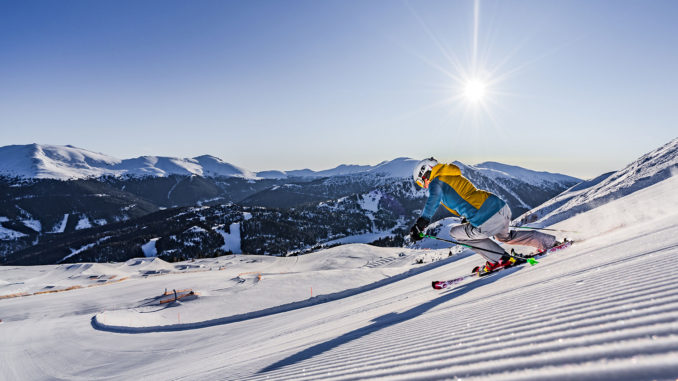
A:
[577, 87]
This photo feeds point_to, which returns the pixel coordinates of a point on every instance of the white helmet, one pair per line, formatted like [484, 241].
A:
[422, 171]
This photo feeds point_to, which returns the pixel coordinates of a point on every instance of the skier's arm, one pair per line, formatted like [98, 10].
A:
[435, 194]
[434, 197]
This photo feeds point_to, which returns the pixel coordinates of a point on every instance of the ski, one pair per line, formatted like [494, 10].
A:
[440, 285]
[562, 246]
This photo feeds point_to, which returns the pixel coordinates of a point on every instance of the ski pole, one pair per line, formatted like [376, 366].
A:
[531, 261]
[553, 230]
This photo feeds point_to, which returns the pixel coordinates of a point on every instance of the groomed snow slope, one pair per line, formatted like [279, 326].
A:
[653, 167]
[604, 309]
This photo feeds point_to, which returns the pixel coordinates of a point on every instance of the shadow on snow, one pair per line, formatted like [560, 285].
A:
[278, 309]
[385, 321]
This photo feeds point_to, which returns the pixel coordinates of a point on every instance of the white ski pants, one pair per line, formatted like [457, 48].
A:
[498, 227]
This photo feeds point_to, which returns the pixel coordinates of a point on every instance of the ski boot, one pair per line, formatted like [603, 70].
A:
[505, 262]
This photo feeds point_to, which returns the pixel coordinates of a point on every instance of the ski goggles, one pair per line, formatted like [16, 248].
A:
[421, 180]
[423, 183]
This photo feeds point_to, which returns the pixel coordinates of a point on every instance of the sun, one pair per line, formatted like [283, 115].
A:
[474, 90]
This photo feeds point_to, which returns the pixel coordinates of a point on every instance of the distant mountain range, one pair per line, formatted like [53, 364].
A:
[36, 161]
[65, 204]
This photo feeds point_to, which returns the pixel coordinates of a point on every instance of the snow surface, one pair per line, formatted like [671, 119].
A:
[83, 248]
[61, 226]
[78, 251]
[100, 222]
[649, 169]
[83, 223]
[149, 248]
[8, 234]
[360, 238]
[370, 201]
[231, 239]
[604, 309]
[33, 224]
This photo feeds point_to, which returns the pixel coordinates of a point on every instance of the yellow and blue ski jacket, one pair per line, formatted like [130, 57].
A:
[449, 188]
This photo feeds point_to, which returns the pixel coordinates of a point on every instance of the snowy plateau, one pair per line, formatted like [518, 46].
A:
[605, 308]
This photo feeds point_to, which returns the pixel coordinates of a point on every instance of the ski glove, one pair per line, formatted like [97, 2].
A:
[418, 228]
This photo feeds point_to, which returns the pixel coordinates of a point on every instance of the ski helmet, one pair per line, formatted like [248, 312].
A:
[422, 171]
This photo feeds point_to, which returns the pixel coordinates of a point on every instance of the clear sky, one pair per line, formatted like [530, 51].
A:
[577, 87]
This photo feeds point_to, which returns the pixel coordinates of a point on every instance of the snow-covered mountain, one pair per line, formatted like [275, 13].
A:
[400, 167]
[39, 161]
[55, 162]
[649, 169]
[36, 161]
[498, 170]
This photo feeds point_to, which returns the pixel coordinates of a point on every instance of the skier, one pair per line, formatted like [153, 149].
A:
[484, 215]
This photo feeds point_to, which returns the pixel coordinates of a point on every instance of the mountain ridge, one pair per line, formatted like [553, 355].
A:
[652, 167]
[45, 161]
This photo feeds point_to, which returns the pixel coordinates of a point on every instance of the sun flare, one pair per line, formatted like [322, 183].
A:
[475, 90]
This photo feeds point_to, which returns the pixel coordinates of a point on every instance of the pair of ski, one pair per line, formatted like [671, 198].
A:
[439, 285]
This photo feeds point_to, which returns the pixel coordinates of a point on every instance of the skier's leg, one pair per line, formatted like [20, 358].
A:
[499, 228]
[470, 235]
[540, 241]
